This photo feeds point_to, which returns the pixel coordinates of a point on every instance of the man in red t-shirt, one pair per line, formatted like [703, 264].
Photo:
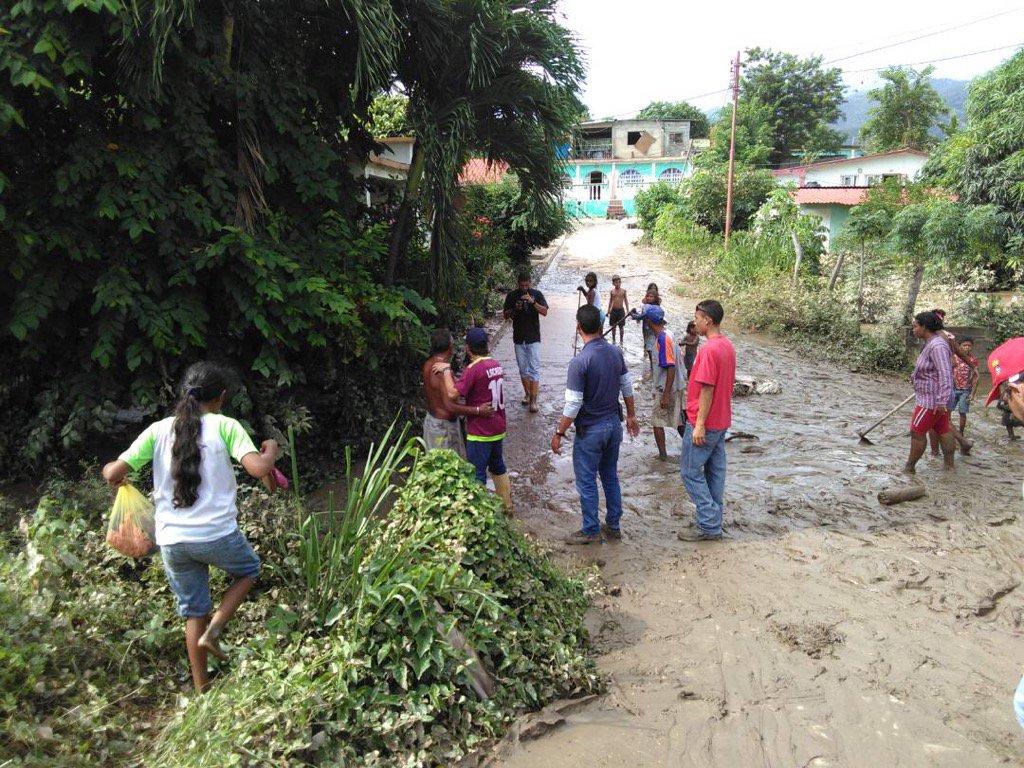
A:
[481, 384]
[708, 417]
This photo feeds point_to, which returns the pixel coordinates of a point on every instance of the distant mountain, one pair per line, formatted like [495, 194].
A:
[858, 105]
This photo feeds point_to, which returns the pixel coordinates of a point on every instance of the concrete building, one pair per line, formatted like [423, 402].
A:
[830, 189]
[611, 160]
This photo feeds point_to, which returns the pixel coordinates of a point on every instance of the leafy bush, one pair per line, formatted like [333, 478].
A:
[1007, 322]
[367, 641]
[651, 203]
[524, 222]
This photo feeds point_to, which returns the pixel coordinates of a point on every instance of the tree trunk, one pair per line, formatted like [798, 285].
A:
[406, 210]
[912, 291]
[836, 271]
[799, 255]
[860, 287]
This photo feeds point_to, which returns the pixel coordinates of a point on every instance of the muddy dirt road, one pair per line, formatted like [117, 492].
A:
[825, 630]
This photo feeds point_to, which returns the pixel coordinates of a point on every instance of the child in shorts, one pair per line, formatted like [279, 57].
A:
[194, 493]
[965, 379]
[690, 343]
[618, 308]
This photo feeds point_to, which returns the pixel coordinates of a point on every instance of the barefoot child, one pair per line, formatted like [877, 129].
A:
[651, 299]
[194, 496]
[618, 307]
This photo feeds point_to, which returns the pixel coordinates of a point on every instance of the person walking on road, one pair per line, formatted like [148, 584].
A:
[933, 389]
[525, 307]
[708, 416]
[597, 375]
[441, 427]
[482, 385]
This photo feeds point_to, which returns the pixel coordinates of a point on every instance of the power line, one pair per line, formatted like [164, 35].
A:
[922, 37]
[933, 61]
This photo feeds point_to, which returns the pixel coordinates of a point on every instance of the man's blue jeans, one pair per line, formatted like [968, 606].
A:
[703, 470]
[596, 452]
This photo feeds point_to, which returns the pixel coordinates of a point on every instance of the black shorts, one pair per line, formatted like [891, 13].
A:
[616, 316]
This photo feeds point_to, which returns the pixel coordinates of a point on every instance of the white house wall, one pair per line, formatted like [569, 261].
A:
[858, 171]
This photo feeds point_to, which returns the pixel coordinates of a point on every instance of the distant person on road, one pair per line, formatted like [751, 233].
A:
[690, 341]
[590, 293]
[708, 416]
[933, 387]
[525, 307]
[651, 299]
[441, 427]
[669, 381]
[597, 376]
[618, 307]
[482, 385]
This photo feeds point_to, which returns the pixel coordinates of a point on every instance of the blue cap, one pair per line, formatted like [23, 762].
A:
[476, 336]
[655, 314]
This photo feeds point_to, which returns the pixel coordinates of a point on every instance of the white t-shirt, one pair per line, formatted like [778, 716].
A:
[215, 514]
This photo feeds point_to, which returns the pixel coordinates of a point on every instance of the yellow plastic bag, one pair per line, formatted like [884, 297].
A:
[132, 527]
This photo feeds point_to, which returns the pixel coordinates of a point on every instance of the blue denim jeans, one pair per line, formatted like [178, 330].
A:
[484, 455]
[703, 470]
[187, 565]
[528, 360]
[596, 452]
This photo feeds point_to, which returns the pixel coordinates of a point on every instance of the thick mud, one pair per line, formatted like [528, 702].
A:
[826, 629]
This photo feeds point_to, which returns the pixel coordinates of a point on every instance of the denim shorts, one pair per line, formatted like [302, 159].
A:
[528, 359]
[187, 565]
[961, 401]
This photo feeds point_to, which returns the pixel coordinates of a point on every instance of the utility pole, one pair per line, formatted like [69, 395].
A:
[732, 148]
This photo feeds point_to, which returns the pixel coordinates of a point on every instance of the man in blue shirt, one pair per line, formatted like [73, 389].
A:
[596, 377]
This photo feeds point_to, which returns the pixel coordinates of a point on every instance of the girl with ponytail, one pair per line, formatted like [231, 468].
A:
[194, 497]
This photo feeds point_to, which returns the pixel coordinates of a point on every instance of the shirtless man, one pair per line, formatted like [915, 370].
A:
[441, 424]
[618, 308]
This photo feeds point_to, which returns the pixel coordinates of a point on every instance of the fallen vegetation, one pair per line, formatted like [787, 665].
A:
[405, 628]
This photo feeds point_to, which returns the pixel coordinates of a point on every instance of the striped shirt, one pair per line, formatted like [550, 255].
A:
[933, 374]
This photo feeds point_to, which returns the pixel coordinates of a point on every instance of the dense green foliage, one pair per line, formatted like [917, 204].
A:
[677, 110]
[984, 162]
[389, 116]
[356, 648]
[177, 183]
[650, 202]
[908, 109]
[489, 78]
[798, 98]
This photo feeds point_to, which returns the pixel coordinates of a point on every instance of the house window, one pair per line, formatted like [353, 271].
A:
[671, 176]
[630, 178]
[632, 137]
[874, 179]
[675, 138]
[596, 182]
[887, 176]
[848, 181]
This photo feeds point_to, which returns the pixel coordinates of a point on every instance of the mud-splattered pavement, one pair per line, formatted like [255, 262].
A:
[826, 630]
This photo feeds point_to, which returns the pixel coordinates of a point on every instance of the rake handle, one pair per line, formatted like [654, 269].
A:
[890, 413]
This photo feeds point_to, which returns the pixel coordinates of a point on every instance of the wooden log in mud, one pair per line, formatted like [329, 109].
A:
[898, 495]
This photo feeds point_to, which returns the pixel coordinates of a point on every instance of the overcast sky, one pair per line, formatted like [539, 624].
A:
[639, 51]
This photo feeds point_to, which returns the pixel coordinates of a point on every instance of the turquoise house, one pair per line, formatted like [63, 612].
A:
[612, 160]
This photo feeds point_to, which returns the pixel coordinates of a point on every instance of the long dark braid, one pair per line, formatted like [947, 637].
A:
[202, 383]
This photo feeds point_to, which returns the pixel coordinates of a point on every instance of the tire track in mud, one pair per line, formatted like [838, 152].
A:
[827, 630]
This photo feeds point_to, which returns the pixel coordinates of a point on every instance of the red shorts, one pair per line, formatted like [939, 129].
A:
[926, 419]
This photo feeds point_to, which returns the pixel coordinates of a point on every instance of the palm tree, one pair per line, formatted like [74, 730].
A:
[494, 78]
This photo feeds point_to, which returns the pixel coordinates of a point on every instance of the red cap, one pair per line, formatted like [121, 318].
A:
[1005, 361]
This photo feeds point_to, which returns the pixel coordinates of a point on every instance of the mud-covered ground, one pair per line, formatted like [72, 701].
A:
[826, 629]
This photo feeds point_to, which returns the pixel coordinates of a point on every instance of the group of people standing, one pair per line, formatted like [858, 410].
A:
[692, 386]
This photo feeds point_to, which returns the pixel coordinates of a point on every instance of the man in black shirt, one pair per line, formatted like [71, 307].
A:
[524, 307]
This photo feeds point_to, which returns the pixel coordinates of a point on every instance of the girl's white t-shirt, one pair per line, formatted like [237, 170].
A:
[215, 513]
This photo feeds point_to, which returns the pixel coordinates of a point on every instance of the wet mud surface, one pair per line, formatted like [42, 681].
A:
[826, 629]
